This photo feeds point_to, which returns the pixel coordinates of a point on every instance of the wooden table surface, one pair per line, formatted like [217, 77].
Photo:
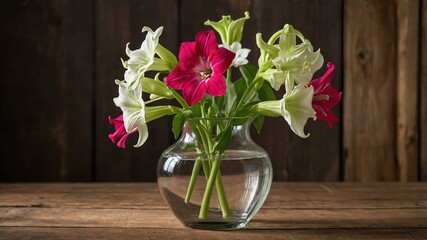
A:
[137, 211]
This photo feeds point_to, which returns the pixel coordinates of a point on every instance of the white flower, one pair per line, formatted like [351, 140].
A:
[141, 59]
[299, 60]
[241, 53]
[296, 107]
[294, 63]
[133, 108]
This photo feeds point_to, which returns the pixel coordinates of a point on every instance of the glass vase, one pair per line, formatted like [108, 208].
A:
[210, 189]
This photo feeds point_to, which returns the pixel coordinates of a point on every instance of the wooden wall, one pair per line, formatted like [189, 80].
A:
[60, 59]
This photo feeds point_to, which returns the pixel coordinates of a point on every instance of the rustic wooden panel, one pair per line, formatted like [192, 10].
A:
[119, 22]
[423, 93]
[293, 211]
[370, 72]
[321, 21]
[282, 195]
[47, 111]
[78, 74]
[33, 142]
[265, 219]
[407, 89]
[190, 234]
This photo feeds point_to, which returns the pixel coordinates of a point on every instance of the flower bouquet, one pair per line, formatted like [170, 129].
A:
[215, 176]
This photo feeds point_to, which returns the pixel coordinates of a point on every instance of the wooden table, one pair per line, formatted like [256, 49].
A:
[137, 211]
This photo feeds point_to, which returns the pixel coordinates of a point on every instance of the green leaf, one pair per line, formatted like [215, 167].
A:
[222, 140]
[240, 87]
[178, 122]
[265, 93]
[248, 72]
[258, 122]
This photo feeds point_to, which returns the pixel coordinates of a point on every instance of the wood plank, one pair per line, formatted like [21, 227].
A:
[282, 195]
[370, 90]
[264, 219]
[293, 158]
[423, 94]
[32, 66]
[407, 89]
[78, 34]
[292, 211]
[119, 22]
[172, 234]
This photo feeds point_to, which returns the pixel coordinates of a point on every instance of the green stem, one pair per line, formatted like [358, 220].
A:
[213, 176]
[208, 190]
[247, 91]
[179, 99]
[221, 195]
[194, 174]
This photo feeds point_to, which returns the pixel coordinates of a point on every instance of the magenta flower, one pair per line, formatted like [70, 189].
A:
[201, 67]
[325, 96]
[120, 131]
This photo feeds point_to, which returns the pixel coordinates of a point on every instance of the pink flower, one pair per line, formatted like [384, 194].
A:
[201, 67]
[120, 131]
[325, 96]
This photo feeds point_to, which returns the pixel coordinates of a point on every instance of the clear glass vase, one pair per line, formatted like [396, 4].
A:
[210, 190]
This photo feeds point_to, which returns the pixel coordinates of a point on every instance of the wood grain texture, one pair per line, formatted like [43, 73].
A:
[190, 234]
[78, 36]
[120, 22]
[370, 72]
[407, 89]
[423, 93]
[292, 211]
[35, 123]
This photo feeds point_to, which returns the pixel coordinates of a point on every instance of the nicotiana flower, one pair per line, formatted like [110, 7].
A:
[229, 30]
[133, 108]
[294, 62]
[120, 131]
[295, 107]
[141, 59]
[241, 53]
[201, 67]
[325, 96]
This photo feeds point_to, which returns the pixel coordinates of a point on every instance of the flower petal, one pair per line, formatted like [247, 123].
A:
[222, 60]
[216, 85]
[178, 77]
[194, 91]
[187, 55]
[325, 96]
[118, 126]
[143, 132]
[297, 109]
[206, 44]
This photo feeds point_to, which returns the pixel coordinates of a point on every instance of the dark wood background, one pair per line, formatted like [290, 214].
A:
[59, 60]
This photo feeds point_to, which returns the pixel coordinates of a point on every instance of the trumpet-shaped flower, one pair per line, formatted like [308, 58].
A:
[141, 59]
[229, 30]
[120, 133]
[201, 67]
[133, 108]
[241, 53]
[325, 96]
[296, 108]
[294, 62]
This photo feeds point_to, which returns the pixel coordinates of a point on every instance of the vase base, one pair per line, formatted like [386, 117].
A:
[215, 225]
